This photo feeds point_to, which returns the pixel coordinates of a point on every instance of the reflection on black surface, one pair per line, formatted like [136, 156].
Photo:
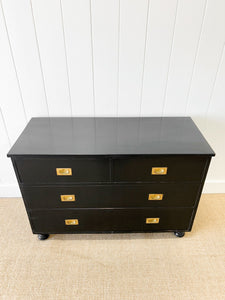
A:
[90, 136]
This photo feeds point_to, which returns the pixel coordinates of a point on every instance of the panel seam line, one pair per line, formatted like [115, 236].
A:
[13, 61]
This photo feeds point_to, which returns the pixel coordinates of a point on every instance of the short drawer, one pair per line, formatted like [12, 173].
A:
[59, 170]
[100, 220]
[159, 168]
[111, 195]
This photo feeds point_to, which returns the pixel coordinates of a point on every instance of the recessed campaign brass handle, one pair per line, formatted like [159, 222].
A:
[71, 222]
[67, 198]
[152, 220]
[155, 196]
[159, 171]
[63, 171]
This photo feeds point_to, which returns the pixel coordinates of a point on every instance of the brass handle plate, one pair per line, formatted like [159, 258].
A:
[155, 196]
[67, 198]
[159, 171]
[71, 222]
[63, 171]
[152, 220]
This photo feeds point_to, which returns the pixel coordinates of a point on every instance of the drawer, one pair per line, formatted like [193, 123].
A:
[175, 168]
[111, 195]
[44, 170]
[99, 220]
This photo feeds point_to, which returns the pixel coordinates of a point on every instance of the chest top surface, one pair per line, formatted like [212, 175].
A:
[111, 136]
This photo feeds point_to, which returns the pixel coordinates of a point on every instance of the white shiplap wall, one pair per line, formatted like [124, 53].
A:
[112, 58]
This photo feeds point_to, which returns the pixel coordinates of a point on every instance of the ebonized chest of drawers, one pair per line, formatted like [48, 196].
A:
[84, 175]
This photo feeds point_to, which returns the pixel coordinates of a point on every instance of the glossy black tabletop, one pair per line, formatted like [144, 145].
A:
[111, 136]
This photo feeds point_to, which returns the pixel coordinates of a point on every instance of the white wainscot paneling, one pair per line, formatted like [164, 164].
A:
[214, 131]
[10, 95]
[50, 35]
[21, 31]
[77, 28]
[187, 33]
[133, 18]
[8, 184]
[121, 57]
[105, 25]
[161, 22]
[208, 57]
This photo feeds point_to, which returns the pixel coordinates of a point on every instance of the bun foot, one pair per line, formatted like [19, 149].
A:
[43, 236]
[179, 234]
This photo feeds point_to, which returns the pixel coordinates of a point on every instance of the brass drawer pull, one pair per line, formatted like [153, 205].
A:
[159, 171]
[67, 198]
[152, 220]
[72, 222]
[63, 171]
[155, 196]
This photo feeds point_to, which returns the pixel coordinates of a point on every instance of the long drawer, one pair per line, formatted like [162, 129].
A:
[99, 220]
[104, 169]
[111, 195]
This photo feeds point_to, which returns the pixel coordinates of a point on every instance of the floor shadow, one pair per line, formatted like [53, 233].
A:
[116, 236]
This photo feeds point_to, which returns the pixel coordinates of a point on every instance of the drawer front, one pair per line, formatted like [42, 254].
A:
[173, 168]
[114, 195]
[92, 220]
[59, 170]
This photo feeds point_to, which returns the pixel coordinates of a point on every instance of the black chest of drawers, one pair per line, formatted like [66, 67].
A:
[83, 175]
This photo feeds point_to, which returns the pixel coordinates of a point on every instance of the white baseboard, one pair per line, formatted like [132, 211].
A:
[9, 190]
[210, 187]
[214, 187]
